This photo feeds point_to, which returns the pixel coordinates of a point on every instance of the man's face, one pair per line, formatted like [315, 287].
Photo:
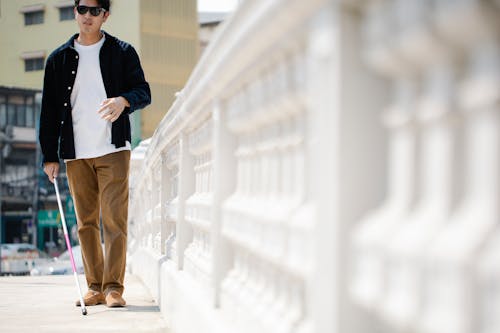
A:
[88, 23]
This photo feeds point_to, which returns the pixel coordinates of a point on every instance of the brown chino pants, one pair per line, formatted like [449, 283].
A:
[100, 185]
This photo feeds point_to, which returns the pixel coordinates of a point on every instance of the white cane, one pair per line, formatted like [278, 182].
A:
[70, 250]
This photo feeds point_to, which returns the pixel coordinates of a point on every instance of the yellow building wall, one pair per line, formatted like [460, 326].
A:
[169, 45]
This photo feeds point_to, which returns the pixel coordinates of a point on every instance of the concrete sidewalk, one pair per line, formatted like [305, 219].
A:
[47, 304]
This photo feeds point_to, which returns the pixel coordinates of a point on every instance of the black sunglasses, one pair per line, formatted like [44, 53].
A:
[94, 11]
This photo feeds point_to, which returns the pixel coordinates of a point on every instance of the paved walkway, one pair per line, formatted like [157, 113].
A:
[47, 304]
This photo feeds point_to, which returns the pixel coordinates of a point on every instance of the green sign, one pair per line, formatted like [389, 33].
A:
[52, 218]
[48, 218]
[69, 211]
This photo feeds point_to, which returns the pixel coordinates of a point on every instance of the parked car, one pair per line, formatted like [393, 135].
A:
[19, 251]
[20, 258]
[61, 265]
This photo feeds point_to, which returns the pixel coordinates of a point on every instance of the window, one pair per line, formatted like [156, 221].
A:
[32, 18]
[66, 14]
[30, 114]
[3, 116]
[33, 64]
[16, 110]
[11, 114]
[21, 115]
[3, 112]
[33, 60]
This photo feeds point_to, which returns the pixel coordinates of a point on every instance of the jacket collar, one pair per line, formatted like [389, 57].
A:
[71, 42]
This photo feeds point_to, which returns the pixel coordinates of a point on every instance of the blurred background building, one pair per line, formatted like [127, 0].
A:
[208, 21]
[18, 157]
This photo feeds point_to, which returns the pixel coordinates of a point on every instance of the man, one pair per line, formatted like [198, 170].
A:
[91, 85]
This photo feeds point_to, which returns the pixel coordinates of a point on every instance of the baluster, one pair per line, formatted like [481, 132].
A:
[453, 296]
[437, 161]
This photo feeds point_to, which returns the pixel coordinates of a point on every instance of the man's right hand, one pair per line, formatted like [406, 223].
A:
[51, 169]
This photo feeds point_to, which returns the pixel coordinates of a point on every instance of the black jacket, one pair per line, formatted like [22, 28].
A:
[122, 75]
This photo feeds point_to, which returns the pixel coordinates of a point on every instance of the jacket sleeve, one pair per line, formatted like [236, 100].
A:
[50, 129]
[137, 93]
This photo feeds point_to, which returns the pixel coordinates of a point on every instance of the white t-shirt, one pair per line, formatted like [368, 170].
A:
[92, 134]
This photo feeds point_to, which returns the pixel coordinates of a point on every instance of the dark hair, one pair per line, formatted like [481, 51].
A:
[102, 3]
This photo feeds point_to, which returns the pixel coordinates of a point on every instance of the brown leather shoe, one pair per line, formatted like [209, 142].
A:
[92, 297]
[114, 300]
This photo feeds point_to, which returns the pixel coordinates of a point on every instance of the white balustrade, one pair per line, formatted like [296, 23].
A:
[370, 236]
[269, 190]
[330, 166]
[170, 175]
[199, 205]
[453, 268]
[415, 269]
[156, 221]
[436, 178]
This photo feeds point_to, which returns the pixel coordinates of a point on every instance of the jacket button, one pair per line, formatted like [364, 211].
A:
[69, 88]
[72, 72]
[62, 122]
[76, 57]
[65, 104]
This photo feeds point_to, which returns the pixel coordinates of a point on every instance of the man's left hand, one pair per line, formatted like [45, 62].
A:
[112, 108]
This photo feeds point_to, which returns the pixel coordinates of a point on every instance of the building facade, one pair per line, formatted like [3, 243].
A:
[209, 21]
[18, 113]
